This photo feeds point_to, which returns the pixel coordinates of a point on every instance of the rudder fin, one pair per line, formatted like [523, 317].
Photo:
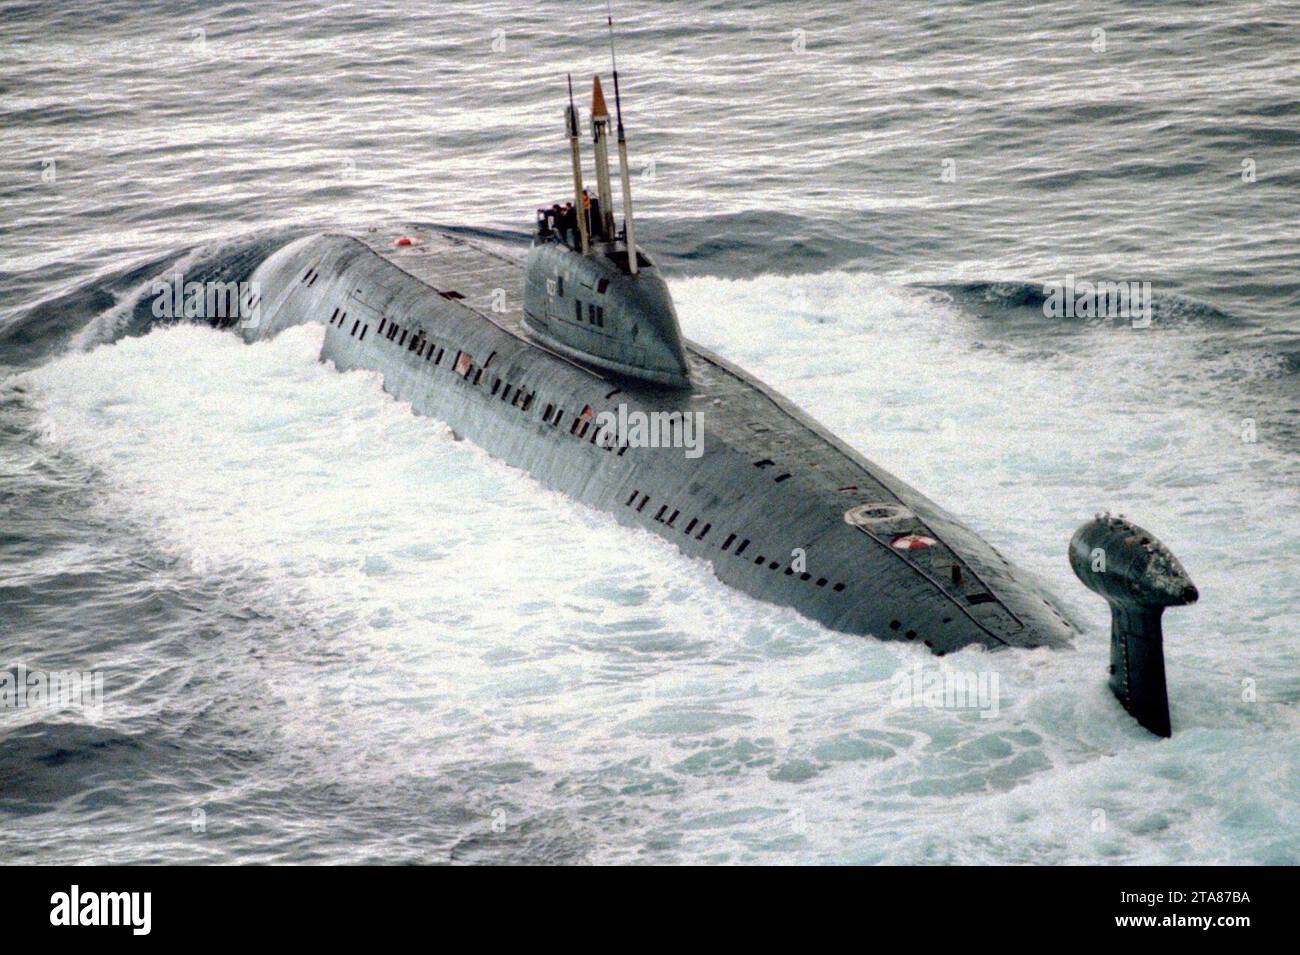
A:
[1139, 577]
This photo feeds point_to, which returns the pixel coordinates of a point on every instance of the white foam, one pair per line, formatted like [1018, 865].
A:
[480, 619]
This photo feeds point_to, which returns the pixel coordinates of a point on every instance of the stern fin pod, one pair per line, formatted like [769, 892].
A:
[1139, 578]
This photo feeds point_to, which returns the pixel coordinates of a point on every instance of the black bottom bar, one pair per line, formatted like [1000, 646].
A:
[215, 905]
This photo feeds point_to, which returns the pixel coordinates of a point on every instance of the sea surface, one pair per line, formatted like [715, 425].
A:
[329, 632]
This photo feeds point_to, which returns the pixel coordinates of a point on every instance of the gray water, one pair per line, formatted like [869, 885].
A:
[296, 670]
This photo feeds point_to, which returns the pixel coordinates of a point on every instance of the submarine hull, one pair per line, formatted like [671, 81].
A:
[779, 507]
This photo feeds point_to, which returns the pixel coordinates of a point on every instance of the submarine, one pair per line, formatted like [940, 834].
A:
[560, 362]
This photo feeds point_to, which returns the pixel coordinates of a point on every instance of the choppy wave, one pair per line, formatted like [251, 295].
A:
[331, 632]
[365, 646]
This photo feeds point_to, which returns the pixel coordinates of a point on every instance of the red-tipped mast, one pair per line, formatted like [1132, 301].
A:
[598, 108]
[600, 135]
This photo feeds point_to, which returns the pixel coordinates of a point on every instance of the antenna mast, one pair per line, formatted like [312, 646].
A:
[629, 230]
[571, 120]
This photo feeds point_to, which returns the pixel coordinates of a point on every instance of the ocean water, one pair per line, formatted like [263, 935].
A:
[330, 632]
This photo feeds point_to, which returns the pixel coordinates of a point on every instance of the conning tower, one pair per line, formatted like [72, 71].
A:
[589, 292]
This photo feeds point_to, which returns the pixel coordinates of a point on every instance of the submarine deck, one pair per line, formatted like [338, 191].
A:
[780, 440]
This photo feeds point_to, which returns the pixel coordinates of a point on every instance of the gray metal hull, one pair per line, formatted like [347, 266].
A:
[770, 485]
